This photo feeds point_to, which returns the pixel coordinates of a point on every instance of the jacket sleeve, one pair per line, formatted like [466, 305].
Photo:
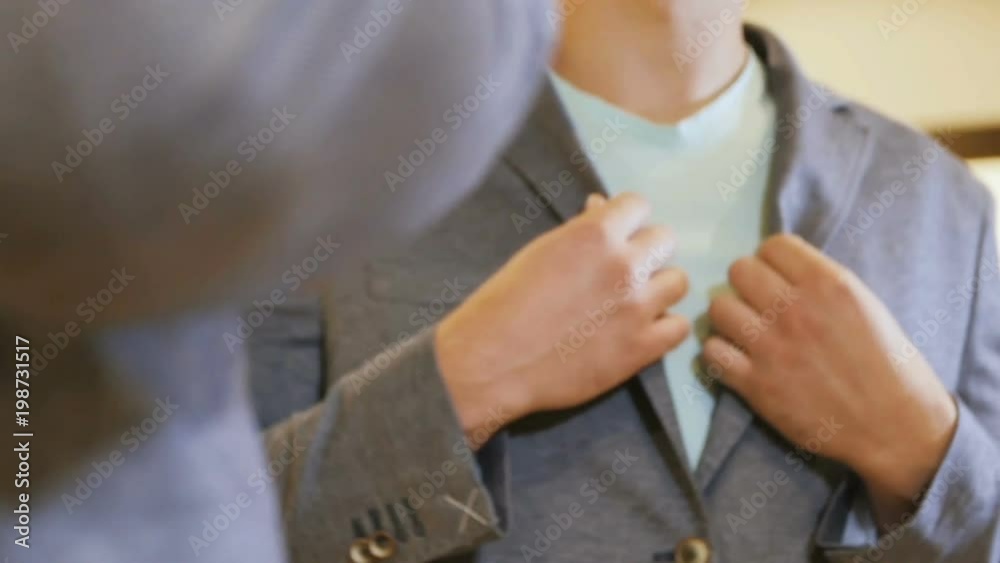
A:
[958, 518]
[206, 147]
[384, 452]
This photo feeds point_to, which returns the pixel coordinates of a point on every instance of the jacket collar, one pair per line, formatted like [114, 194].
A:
[821, 150]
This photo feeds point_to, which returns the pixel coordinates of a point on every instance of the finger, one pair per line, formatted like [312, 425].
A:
[665, 289]
[622, 215]
[654, 247]
[792, 257]
[757, 282]
[732, 318]
[594, 200]
[663, 335]
[726, 363]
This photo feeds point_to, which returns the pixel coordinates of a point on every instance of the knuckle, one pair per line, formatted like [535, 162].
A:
[633, 304]
[634, 199]
[769, 342]
[801, 322]
[790, 239]
[637, 347]
[620, 265]
[594, 235]
[846, 278]
[661, 233]
[739, 270]
[774, 245]
[666, 340]
[781, 244]
[791, 321]
[684, 329]
[653, 261]
[716, 309]
[682, 284]
[816, 277]
[835, 284]
[641, 342]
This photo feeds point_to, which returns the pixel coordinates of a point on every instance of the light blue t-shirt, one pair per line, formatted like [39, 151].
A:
[706, 178]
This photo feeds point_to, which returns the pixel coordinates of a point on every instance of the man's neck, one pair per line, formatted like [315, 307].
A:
[647, 57]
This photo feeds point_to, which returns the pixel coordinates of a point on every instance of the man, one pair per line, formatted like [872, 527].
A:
[161, 162]
[837, 398]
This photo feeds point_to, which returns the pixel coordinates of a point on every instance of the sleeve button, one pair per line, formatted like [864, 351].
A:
[360, 551]
[382, 546]
[693, 550]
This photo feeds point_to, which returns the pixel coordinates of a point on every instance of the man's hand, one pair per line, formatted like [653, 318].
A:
[804, 340]
[572, 315]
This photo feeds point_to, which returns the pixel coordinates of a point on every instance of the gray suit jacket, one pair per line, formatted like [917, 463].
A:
[607, 481]
[158, 158]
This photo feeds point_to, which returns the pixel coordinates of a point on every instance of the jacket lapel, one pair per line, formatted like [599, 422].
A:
[548, 156]
[822, 151]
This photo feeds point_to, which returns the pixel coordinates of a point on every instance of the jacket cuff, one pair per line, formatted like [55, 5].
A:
[399, 421]
[494, 464]
[957, 516]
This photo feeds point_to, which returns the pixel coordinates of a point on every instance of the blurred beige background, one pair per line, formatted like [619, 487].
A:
[940, 68]
[934, 64]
